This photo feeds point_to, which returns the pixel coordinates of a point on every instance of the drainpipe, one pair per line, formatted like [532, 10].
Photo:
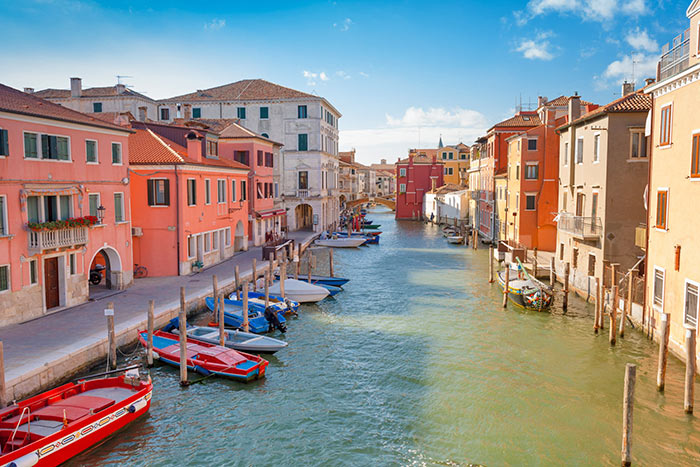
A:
[646, 252]
[177, 217]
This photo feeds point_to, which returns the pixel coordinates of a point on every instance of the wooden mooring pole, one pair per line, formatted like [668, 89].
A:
[552, 272]
[283, 277]
[330, 261]
[613, 316]
[598, 300]
[151, 326]
[628, 303]
[309, 266]
[565, 299]
[215, 295]
[690, 356]
[182, 318]
[238, 283]
[222, 319]
[3, 389]
[534, 264]
[255, 274]
[627, 412]
[112, 343]
[601, 307]
[267, 290]
[297, 265]
[505, 286]
[246, 326]
[663, 352]
[491, 265]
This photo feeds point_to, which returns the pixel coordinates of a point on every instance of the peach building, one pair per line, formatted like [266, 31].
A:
[65, 175]
[190, 204]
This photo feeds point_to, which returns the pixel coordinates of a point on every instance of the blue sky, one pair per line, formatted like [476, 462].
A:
[401, 73]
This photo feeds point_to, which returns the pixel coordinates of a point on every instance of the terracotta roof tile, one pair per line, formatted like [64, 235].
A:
[247, 89]
[106, 91]
[14, 101]
[520, 120]
[563, 101]
[637, 101]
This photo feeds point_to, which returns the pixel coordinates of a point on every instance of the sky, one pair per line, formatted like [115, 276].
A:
[401, 73]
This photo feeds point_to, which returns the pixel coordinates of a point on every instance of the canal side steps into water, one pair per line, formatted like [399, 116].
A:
[47, 351]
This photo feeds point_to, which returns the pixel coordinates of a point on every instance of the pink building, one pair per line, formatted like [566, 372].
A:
[414, 177]
[190, 208]
[60, 171]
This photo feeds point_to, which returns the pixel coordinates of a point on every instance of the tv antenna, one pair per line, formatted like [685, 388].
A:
[120, 77]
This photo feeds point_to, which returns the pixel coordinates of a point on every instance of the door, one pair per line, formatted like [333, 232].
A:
[51, 282]
[222, 239]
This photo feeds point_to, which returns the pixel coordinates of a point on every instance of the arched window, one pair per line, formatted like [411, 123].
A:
[265, 135]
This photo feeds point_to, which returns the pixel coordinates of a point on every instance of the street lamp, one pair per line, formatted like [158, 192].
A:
[101, 213]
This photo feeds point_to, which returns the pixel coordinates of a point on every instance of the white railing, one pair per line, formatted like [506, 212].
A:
[580, 226]
[302, 193]
[675, 58]
[51, 239]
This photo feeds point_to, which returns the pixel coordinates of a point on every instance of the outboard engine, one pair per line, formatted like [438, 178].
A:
[271, 317]
[290, 308]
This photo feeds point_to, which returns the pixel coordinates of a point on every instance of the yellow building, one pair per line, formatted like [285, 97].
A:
[673, 256]
[501, 182]
[456, 160]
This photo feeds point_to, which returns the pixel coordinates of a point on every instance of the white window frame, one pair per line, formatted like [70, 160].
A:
[215, 240]
[532, 164]
[121, 153]
[402, 188]
[97, 154]
[36, 271]
[39, 150]
[528, 144]
[227, 233]
[233, 190]
[9, 278]
[402, 172]
[566, 153]
[642, 143]
[576, 152]
[4, 217]
[670, 126]
[685, 303]
[191, 246]
[221, 190]
[656, 207]
[207, 191]
[187, 188]
[527, 195]
[660, 306]
[42, 212]
[207, 242]
[123, 204]
[72, 264]
[596, 147]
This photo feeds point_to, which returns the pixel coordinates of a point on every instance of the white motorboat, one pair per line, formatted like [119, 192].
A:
[235, 339]
[300, 291]
[455, 239]
[347, 242]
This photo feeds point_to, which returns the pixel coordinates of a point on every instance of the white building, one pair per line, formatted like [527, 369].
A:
[447, 203]
[306, 177]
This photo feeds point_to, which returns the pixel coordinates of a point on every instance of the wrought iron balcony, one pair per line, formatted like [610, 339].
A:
[586, 228]
[60, 238]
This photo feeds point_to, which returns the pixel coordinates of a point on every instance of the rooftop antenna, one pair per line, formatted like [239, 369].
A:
[119, 79]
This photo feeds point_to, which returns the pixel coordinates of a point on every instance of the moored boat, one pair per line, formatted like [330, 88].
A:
[340, 242]
[525, 291]
[326, 280]
[256, 300]
[300, 291]
[369, 239]
[455, 239]
[233, 316]
[332, 290]
[371, 226]
[207, 359]
[50, 428]
[234, 339]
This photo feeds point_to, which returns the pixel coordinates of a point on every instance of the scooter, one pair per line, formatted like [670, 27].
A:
[96, 274]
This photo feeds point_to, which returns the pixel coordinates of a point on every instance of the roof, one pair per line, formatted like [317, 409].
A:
[419, 159]
[118, 118]
[14, 101]
[563, 101]
[523, 119]
[146, 147]
[106, 91]
[448, 188]
[637, 101]
[246, 90]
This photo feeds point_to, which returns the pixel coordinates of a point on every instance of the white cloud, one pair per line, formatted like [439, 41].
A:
[364, 75]
[596, 10]
[537, 48]
[637, 65]
[437, 117]
[215, 24]
[341, 74]
[639, 40]
[312, 77]
[344, 25]
[323, 76]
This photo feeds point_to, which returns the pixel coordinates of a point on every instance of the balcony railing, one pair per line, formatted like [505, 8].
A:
[60, 238]
[675, 59]
[587, 228]
[302, 193]
[640, 236]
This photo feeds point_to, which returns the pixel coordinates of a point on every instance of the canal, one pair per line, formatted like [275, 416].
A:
[416, 363]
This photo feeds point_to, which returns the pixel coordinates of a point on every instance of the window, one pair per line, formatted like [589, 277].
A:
[207, 242]
[158, 192]
[207, 191]
[118, 207]
[531, 171]
[662, 209]
[233, 190]
[165, 113]
[260, 159]
[241, 156]
[574, 258]
[4, 143]
[594, 205]
[190, 246]
[71, 264]
[691, 304]
[638, 144]
[563, 200]
[55, 147]
[665, 130]
[90, 151]
[33, 273]
[221, 191]
[561, 252]
[695, 157]
[196, 112]
[116, 153]
[659, 288]
[579, 151]
[591, 265]
[277, 190]
[402, 172]
[191, 192]
[566, 154]
[97, 107]
[444, 155]
[532, 145]
[31, 150]
[227, 235]
[244, 190]
[402, 188]
[93, 203]
[264, 113]
[530, 202]
[301, 111]
[212, 148]
[303, 144]
[463, 156]
[265, 135]
[517, 172]
[269, 160]
[4, 278]
[303, 180]
[240, 112]
[450, 156]
[596, 148]
[215, 240]
[3, 216]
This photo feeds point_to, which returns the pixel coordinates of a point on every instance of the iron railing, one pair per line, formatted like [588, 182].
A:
[580, 226]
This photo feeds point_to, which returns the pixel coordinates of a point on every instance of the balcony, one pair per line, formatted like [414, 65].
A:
[59, 238]
[640, 236]
[585, 228]
[302, 194]
[675, 59]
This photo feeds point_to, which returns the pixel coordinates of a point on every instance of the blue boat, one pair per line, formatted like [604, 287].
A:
[369, 239]
[331, 288]
[321, 280]
[233, 316]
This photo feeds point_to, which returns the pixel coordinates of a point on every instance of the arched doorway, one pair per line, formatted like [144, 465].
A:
[304, 217]
[239, 237]
[107, 263]
[342, 201]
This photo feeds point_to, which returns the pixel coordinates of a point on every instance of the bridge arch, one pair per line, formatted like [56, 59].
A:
[383, 201]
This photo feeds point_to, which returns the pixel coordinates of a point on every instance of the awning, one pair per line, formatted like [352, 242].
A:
[269, 213]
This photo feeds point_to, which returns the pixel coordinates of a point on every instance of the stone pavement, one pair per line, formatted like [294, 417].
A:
[45, 351]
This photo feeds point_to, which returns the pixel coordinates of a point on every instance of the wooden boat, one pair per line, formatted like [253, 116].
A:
[525, 291]
[50, 428]
[332, 290]
[369, 239]
[300, 291]
[366, 221]
[371, 226]
[205, 358]
[233, 339]
[256, 300]
[325, 280]
[340, 242]
[455, 239]
[233, 316]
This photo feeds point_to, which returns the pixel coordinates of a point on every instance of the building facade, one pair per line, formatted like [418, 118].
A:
[456, 161]
[448, 204]
[415, 176]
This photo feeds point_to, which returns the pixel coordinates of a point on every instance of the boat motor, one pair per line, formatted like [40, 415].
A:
[271, 317]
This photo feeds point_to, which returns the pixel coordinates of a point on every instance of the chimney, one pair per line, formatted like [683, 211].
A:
[541, 100]
[29, 90]
[627, 88]
[188, 112]
[143, 111]
[647, 81]
[383, 161]
[76, 87]
[574, 107]
[433, 182]
[120, 88]
[194, 146]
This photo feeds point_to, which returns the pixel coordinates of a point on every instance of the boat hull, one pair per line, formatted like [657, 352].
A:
[308, 293]
[530, 298]
[233, 316]
[322, 280]
[347, 242]
[255, 343]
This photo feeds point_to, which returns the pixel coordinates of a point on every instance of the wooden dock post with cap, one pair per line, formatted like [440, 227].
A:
[150, 326]
[663, 352]
[309, 266]
[690, 357]
[534, 264]
[297, 265]
[222, 331]
[565, 299]
[552, 271]
[267, 290]
[613, 316]
[330, 261]
[283, 277]
[491, 265]
[246, 326]
[598, 300]
[627, 411]
[182, 318]
[238, 283]
[628, 303]
[215, 295]
[506, 285]
[112, 343]
[601, 308]
[255, 274]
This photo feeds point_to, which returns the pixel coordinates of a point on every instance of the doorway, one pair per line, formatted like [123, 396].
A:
[51, 282]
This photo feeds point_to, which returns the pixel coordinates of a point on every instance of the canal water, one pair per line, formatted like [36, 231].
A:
[416, 363]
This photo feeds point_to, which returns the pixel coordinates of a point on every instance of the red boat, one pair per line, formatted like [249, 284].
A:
[50, 428]
[205, 358]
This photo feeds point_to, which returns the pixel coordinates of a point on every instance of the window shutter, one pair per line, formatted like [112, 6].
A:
[45, 146]
[166, 190]
[150, 184]
[4, 146]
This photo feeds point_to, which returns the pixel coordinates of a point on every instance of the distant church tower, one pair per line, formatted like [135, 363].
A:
[440, 145]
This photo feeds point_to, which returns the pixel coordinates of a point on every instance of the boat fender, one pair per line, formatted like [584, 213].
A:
[138, 405]
[25, 461]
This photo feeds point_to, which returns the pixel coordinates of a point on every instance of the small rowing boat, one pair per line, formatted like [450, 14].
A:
[371, 226]
[340, 242]
[325, 280]
[525, 291]
[206, 359]
[257, 300]
[234, 339]
[455, 239]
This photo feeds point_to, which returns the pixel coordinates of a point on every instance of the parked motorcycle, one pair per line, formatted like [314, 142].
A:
[96, 274]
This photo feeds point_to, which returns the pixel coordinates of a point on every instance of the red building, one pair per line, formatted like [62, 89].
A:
[414, 177]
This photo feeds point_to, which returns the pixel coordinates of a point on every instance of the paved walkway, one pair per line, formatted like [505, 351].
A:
[48, 349]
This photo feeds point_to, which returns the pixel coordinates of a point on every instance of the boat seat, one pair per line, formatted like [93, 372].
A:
[93, 403]
[56, 412]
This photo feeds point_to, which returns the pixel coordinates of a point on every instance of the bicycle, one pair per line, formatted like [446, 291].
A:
[140, 271]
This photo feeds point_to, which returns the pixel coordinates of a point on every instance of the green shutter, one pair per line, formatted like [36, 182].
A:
[264, 112]
[45, 153]
[196, 112]
[62, 151]
[4, 279]
[93, 204]
[150, 184]
[3, 228]
[166, 191]
[116, 154]
[4, 146]
[118, 206]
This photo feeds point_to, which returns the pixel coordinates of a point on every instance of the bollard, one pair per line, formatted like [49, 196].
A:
[255, 274]
[663, 352]
[246, 326]
[491, 265]
[267, 290]
[565, 300]
[690, 356]
[222, 321]
[149, 344]
[238, 284]
[505, 286]
[112, 343]
[598, 300]
[627, 410]
[330, 261]
[283, 277]
[534, 266]
[182, 318]
[613, 316]
[309, 265]
[601, 308]
[3, 390]
[552, 274]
